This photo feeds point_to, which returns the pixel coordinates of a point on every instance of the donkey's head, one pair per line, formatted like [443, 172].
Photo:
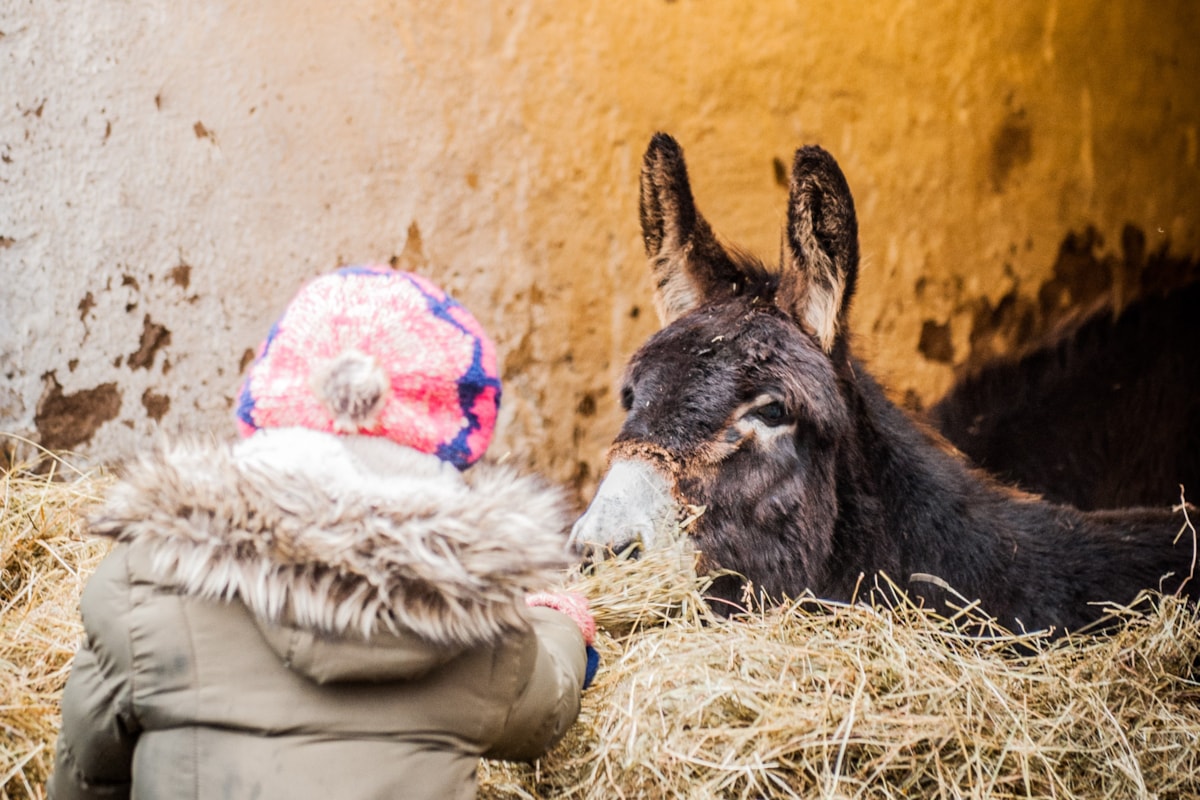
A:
[735, 405]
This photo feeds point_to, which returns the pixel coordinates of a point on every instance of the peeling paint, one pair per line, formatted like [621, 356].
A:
[156, 405]
[181, 275]
[1012, 147]
[413, 256]
[66, 421]
[203, 133]
[154, 338]
[247, 356]
[86, 305]
[936, 343]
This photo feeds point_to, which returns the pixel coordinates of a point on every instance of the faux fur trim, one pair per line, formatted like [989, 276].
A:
[344, 539]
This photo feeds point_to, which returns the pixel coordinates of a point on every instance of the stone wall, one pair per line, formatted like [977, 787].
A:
[171, 172]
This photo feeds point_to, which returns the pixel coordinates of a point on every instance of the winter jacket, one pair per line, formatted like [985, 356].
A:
[307, 615]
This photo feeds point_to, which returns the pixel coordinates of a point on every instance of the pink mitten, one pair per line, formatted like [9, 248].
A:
[573, 605]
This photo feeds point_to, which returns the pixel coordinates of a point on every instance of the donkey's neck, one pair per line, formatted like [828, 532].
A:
[912, 507]
[931, 516]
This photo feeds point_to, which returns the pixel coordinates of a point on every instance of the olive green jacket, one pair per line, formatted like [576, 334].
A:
[313, 616]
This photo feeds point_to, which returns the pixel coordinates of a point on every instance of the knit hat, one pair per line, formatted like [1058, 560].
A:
[370, 350]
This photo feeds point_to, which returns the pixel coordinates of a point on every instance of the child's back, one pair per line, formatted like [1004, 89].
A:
[317, 615]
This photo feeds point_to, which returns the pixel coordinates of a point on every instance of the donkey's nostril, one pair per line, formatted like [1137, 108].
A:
[589, 555]
[631, 549]
[592, 553]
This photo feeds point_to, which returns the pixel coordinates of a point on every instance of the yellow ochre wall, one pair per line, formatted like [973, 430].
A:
[170, 173]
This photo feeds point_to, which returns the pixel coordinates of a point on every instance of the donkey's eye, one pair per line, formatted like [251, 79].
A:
[627, 397]
[772, 413]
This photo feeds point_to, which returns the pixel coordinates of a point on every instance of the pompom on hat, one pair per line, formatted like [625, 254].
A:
[374, 351]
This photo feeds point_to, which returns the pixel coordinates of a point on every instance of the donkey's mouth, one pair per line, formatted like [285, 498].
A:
[591, 555]
[627, 542]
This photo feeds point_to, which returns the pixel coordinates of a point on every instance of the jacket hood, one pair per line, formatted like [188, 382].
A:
[343, 535]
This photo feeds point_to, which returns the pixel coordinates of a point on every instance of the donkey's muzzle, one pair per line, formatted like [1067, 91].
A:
[633, 510]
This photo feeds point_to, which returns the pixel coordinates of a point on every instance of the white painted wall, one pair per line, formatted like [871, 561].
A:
[183, 167]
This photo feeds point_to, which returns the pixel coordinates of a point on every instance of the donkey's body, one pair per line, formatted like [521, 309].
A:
[750, 404]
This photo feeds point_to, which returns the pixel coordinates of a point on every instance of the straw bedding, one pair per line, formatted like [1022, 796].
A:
[818, 700]
[44, 563]
[812, 700]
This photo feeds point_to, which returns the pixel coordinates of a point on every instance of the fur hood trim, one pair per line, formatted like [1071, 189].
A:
[344, 534]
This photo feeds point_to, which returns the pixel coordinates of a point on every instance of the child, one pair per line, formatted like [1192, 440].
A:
[330, 608]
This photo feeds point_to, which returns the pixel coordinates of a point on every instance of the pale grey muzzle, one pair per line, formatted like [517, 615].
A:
[633, 507]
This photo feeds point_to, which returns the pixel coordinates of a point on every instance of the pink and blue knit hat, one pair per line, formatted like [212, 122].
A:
[370, 350]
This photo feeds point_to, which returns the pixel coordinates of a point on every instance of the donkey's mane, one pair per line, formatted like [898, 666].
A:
[760, 281]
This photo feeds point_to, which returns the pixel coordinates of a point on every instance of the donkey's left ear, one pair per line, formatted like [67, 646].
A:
[820, 247]
[688, 264]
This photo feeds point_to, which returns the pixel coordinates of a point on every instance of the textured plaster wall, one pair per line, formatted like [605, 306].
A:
[171, 172]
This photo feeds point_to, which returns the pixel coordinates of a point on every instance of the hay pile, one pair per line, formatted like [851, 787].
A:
[814, 701]
[44, 563]
[819, 700]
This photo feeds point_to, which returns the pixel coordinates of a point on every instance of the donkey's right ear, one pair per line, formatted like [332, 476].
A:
[688, 264]
[820, 247]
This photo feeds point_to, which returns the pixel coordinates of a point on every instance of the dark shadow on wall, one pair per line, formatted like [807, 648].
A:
[1095, 399]
[1082, 282]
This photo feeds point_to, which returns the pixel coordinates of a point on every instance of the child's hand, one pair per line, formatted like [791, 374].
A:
[574, 606]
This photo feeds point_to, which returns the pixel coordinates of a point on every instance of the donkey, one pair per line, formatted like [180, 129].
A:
[750, 404]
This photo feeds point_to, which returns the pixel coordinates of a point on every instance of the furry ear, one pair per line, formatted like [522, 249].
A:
[820, 247]
[688, 264]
